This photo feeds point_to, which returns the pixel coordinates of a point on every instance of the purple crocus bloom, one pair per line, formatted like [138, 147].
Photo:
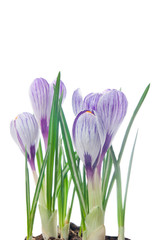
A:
[41, 95]
[87, 140]
[24, 130]
[109, 109]
[88, 103]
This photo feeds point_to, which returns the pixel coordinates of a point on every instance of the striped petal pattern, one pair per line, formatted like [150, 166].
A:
[91, 101]
[24, 130]
[87, 141]
[77, 102]
[109, 109]
[41, 95]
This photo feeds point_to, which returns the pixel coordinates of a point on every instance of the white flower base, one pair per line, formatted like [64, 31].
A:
[49, 222]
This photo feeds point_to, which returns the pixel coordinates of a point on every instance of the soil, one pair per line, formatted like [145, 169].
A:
[73, 235]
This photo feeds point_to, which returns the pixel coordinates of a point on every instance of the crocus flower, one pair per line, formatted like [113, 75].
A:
[98, 117]
[88, 103]
[109, 109]
[24, 130]
[87, 140]
[41, 95]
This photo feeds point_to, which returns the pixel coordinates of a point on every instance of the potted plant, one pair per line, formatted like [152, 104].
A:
[97, 119]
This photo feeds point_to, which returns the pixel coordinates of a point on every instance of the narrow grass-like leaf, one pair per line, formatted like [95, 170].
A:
[69, 182]
[84, 182]
[62, 197]
[56, 165]
[61, 202]
[104, 168]
[60, 209]
[71, 206]
[109, 190]
[131, 122]
[128, 175]
[72, 161]
[27, 196]
[83, 225]
[52, 140]
[38, 187]
[39, 156]
[78, 170]
[64, 172]
[55, 175]
[107, 173]
[119, 198]
[125, 140]
[85, 189]
[65, 184]
[119, 188]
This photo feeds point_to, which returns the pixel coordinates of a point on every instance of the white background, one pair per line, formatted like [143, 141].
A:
[96, 45]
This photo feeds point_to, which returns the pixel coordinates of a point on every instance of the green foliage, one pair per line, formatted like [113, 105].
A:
[53, 142]
[75, 172]
[124, 143]
[32, 209]
[63, 166]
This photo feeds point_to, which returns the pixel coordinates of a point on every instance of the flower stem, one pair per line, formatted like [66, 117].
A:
[94, 191]
[41, 196]
[35, 176]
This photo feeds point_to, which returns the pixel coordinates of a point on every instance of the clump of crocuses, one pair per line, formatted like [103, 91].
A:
[94, 128]
[97, 119]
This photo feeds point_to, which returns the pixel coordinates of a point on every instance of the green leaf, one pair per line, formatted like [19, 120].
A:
[57, 160]
[107, 167]
[64, 172]
[85, 189]
[39, 156]
[72, 161]
[60, 209]
[53, 142]
[61, 202]
[119, 188]
[38, 188]
[129, 173]
[125, 140]
[131, 121]
[109, 190]
[62, 197]
[104, 168]
[66, 182]
[71, 206]
[27, 196]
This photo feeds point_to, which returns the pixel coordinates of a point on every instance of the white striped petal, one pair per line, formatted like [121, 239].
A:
[40, 95]
[24, 130]
[111, 111]
[77, 102]
[86, 139]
